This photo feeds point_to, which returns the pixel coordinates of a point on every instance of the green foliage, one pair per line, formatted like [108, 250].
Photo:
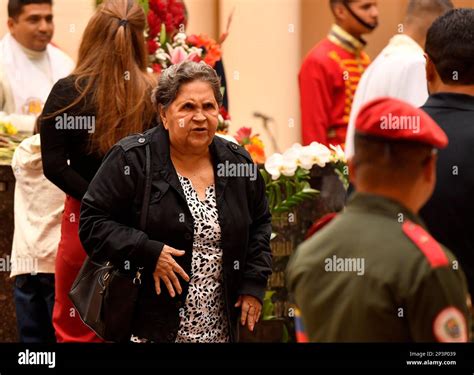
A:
[268, 313]
[341, 169]
[163, 35]
[286, 335]
[268, 309]
[144, 5]
[286, 193]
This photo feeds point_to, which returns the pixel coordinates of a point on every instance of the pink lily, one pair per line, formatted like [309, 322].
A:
[177, 55]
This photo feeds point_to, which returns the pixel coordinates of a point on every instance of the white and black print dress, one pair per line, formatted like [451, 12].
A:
[203, 318]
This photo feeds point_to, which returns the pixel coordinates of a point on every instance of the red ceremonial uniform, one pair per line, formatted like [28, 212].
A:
[328, 80]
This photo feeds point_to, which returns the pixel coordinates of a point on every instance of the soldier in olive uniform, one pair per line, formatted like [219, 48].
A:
[374, 274]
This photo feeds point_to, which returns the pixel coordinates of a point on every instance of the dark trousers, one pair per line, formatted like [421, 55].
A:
[34, 301]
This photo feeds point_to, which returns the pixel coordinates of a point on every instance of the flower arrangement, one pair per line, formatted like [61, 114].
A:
[287, 175]
[252, 143]
[164, 54]
[166, 37]
[168, 44]
[167, 41]
[11, 134]
[6, 127]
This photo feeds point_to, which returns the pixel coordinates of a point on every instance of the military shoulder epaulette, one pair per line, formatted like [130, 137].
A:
[320, 224]
[426, 243]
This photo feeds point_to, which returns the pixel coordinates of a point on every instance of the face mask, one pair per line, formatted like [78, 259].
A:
[360, 20]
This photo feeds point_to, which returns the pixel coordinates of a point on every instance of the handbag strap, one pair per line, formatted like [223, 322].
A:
[146, 195]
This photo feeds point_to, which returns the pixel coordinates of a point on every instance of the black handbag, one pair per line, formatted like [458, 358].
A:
[104, 296]
[273, 330]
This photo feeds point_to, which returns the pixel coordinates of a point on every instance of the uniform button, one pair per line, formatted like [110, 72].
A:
[234, 146]
[141, 140]
[187, 236]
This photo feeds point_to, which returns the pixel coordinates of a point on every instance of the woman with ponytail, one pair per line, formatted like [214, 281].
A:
[106, 98]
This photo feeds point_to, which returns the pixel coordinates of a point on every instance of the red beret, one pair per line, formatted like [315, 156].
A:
[396, 120]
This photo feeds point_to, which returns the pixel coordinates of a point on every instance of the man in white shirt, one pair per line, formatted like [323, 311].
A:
[399, 70]
[29, 64]
[29, 67]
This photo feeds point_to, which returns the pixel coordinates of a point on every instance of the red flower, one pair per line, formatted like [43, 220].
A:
[196, 58]
[213, 55]
[243, 135]
[212, 50]
[157, 6]
[193, 40]
[170, 12]
[156, 68]
[200, 41]
[153, 6]
[176, 8]
[154, 24]
[225, 115]
[152, 46]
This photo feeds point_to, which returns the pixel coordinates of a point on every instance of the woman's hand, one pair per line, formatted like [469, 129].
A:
[251, 309]
[166, 270]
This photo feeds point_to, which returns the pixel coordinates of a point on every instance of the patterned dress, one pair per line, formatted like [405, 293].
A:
[203, 317]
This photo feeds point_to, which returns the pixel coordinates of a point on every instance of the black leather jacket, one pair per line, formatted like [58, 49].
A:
[111, 208]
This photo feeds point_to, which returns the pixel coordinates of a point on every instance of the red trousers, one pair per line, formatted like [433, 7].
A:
[66, 320]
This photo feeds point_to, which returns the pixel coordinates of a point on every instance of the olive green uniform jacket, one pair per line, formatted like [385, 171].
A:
[375, 275]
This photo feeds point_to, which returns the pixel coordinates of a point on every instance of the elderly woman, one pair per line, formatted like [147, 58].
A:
[206, 249]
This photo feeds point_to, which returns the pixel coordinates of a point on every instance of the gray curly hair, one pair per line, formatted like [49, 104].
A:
[175, 76]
